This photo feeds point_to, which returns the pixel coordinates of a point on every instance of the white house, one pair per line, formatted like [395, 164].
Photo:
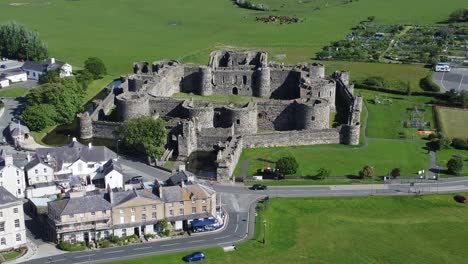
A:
[12, 175]
[4, 83]
[109, 176]
[35, 69]
[12, 227]
[14, 76]
[80, 163]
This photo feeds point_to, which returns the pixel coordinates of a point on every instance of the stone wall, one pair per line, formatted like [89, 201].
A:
[292, 138]
[228, 156]
[105, 129]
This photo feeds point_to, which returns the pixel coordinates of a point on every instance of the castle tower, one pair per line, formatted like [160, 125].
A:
[85, 125]
[263, 82]
[130, 106]
[206, 77]
[314, 114]
[316, 71]
[345, 77]
[349, 134]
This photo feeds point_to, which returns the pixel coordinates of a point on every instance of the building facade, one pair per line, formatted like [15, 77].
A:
[12, 227]
[11, 175]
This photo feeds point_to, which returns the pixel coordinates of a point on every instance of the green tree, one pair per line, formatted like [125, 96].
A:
[455, 166]
[459, 15]
[366, 172]
[143, 135]
[49, 77]
[84, 77]
[17, 42]
[38, 117]
[323, 173]
[445, 143]
[96, 67]
[287, 165]
[395, 172]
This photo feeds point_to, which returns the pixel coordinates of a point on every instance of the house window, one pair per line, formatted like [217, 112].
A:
[15, 210]
[2, 226]
[34, 74]
[203, 201]
[171, 213]
[244, 80]
[124, 232]
[1, 174]
[17, 172]
[18, 181]
[153, 215]
[194, 210]
[204, 209]
[70, 216]
[181, 211]
[154, 207]
[46, 178]
[93, 213]
[103, 212]
[3, 241]
[133, 209]
[19, 191]
[37, 179]
[122, 219]
[1, 214]
[132, 219]
[17, 224]
[235, 91]
[36, 171]
[143, 209]
[181, 203]
[18, 237]
[121, 211]
[143, 217]
[45, 170]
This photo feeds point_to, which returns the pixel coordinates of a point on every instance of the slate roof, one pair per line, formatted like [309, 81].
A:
[109, 166]
[122, 197]
[19, 159]
[171, 194]
[70, 154]
[33, 66]
[53, 66]
[179, 177]
[6, 197]
[80, 205]
[11, 72]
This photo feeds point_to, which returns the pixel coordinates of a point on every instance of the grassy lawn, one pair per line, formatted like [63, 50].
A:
[343, 160]
[453, 121]
[205, 24]
[312, 182]
[14, 92]
[11, 255]
[386, 120]
[219, 98]
[96, 86]
[395, 229]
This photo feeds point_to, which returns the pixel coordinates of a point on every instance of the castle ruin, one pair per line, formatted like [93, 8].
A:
[291, 105]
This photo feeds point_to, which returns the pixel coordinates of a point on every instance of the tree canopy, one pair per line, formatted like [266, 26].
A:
[143, 135]
[459, 15]
[455, 166]
[287, 165]
[38, 117]
[366, 172]
[96, 67]
[17, 42]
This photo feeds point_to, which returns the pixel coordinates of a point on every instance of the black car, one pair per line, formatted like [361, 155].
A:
[460, 199]
[135, 180]
[258, 187]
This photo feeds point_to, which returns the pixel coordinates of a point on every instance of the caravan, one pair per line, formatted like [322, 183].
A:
[442, 67]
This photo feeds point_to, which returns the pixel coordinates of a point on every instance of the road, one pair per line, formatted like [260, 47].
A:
[456, 79]
[239, 203]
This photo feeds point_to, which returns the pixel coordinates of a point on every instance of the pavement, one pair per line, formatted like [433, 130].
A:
[239, 202]
[456, 79]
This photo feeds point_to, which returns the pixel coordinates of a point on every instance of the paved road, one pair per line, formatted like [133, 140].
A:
[456, 79]
[239, 202]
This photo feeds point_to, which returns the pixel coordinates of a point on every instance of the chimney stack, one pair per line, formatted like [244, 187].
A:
[28, 156]
[111, 193]
[74, 139]
[90, 145]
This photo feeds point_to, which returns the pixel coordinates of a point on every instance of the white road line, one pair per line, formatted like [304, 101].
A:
[85, 256]
[461, 81]
[221, 237]
[141, 248]
[168, 245]
[196, 241]
[442, 81]
[115, 251]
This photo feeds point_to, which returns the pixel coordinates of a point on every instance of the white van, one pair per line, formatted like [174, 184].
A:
[442, 67]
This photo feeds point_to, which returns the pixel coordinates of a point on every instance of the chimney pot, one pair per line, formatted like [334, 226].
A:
[74, 139]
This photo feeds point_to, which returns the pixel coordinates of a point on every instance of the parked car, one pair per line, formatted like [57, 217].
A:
[195, 257]
[460, 199]
[3, 66]
[135, 180]
[258, 187]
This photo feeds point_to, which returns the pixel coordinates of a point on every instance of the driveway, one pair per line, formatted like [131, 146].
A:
[456, 79]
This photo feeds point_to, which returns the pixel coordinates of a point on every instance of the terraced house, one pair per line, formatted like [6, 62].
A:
[82, 216]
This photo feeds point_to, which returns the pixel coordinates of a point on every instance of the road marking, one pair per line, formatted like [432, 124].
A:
[115, 251]
[168, 245]
[141, 248]
[85, 256]
[442, 81]
[195, 241]
[461, 81]
[221, 237]
[57, 260]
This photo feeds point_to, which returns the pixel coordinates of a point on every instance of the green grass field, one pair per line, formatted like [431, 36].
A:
[387, 230]
[453, 122]
[121, 32]
[343, 160]
[14, 92]
[386, 120]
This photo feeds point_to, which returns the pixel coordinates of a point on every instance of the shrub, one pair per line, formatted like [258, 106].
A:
[287, 165]
[395, 172]
[166, 232]
[445, 143]
[366, 172]
[427, 84]
[113, 239]
[455, 166]
[67, 246]
[149, 236]
[322, 173]
[104, 243]
[459, 143]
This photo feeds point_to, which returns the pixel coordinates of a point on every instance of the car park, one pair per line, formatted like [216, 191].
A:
[195, 257]
[256, 187]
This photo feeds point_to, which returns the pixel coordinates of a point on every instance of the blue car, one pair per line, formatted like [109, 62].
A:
[195, 257]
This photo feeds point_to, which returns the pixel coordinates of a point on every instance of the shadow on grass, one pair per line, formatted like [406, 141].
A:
[266, 160]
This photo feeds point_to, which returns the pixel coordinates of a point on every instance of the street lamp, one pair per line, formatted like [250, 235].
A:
[264, 231]
[118, 140]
